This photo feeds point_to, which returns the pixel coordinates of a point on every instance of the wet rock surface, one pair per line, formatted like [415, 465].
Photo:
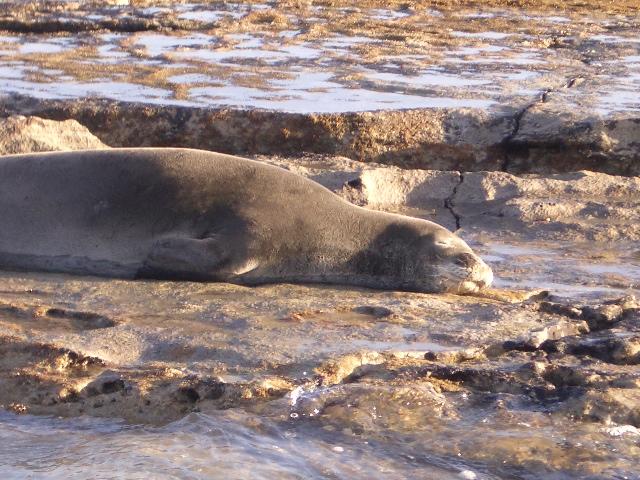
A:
[317, 359]
[548, 359]
[439, 86]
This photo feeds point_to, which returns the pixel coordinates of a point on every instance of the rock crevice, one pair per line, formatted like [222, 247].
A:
[449, 203]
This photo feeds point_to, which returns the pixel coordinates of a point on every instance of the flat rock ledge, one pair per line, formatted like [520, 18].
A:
[533, 138]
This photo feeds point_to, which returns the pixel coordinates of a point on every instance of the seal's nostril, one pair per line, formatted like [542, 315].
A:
[355, 183]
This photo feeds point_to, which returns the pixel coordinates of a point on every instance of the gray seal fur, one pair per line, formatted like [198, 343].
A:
[195, 215]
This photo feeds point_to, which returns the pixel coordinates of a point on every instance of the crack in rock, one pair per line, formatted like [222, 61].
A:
[449, 205]
[506, 143]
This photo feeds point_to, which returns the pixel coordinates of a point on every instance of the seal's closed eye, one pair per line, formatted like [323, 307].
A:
[466, 260]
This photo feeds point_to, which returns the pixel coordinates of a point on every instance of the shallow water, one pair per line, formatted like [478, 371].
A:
[261, 66]
[236, 444]
[563, 269]
[230, 445]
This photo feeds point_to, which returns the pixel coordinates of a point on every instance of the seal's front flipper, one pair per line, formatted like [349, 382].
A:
[183, 258]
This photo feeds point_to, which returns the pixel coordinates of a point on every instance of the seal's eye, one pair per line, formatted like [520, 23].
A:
[465, 260]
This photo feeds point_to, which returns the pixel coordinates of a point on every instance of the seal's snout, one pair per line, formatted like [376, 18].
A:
[479, 274]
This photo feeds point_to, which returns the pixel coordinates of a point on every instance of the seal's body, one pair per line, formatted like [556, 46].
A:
[195, 215]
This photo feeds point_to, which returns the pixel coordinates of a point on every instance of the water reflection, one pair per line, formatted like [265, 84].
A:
[228, 445]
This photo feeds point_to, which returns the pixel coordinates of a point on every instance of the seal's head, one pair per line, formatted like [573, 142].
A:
[418, 255]
[455, 266]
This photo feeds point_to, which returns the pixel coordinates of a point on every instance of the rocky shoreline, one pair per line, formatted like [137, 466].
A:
[152, 352]
[534, 378]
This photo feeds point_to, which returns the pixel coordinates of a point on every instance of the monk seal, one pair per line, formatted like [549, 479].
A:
[170, 213]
